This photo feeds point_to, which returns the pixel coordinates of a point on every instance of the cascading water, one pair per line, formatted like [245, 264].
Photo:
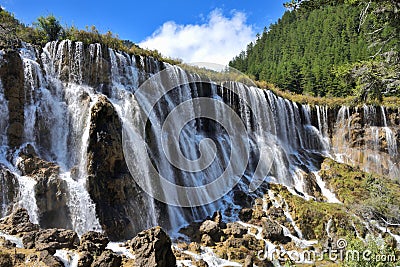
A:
[64, 83]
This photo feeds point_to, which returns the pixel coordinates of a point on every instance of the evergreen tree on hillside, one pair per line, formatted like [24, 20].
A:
[305, 50]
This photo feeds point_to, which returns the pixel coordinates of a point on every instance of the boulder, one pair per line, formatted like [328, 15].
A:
[53, 239]
[17, 222]
[212, 229]
[235, 229]
[93, 242]
[153, 248]
[274, 232]
[108, 259]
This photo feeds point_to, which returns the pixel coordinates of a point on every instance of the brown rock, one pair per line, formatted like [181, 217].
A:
[49, 260]
[235, 229]
[6, 260]
[85, 259]
[248, 262]
[212, 229]
[53, 239]
[108, 259]
[17, 222]
[274, 232]
[153, 248]
[93, 242]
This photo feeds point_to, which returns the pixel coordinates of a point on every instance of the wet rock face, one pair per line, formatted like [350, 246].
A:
[9, 188]
[51, 191]
[12, 77]
[95, 65]
[153, 248]
[110, 184]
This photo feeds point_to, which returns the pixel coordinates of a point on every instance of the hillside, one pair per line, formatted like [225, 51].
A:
[318, 51]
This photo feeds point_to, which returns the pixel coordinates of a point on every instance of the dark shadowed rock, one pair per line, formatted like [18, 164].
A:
[153, 248]
[17, 222]
[6, 260]
[9, 187]
[108, 259]
[110, 184]
[12, 77]
[245, 214]
[53, 239]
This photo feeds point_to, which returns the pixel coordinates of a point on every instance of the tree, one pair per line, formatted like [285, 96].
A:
[50, 26]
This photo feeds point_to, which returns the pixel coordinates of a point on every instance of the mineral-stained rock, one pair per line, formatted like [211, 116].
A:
[108, 259]
[153, 249]
[53, 239]
[17, 222]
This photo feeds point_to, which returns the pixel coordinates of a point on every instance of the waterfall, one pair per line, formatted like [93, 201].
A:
[249, 136]
[3, 117]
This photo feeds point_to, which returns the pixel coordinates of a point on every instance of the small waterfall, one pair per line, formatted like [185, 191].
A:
[27, 197]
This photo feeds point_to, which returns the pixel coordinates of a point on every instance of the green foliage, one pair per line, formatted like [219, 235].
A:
[330, 48]
[49, 27]
[374, 252]
[299, 52]
[370, 196]
[46, 29]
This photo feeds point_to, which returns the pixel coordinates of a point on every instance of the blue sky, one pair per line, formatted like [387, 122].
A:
[191, 29]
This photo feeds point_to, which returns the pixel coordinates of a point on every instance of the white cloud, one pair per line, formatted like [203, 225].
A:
[217, 41]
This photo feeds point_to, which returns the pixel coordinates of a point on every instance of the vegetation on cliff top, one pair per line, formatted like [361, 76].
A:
[330, 48]
[49, 28]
